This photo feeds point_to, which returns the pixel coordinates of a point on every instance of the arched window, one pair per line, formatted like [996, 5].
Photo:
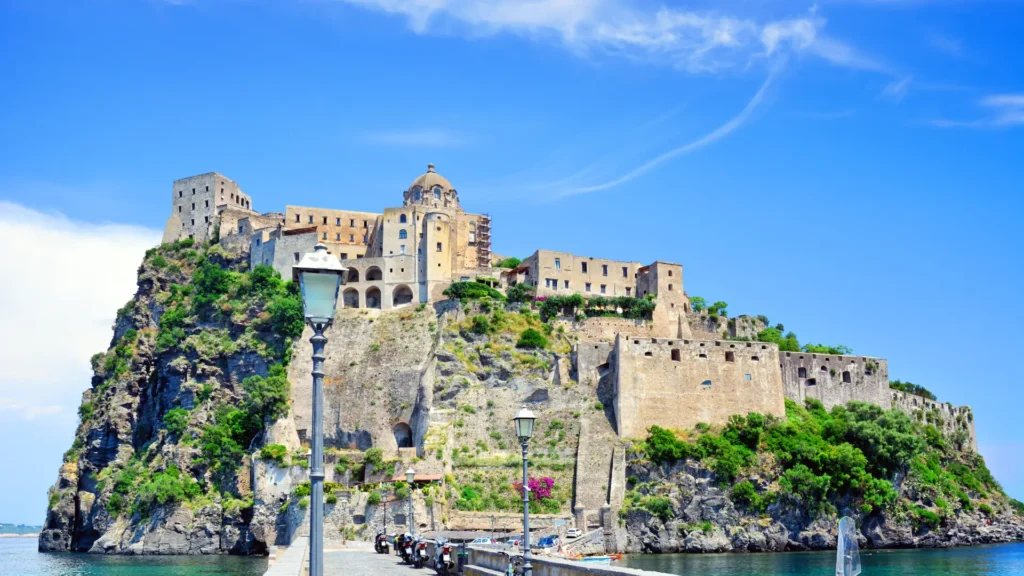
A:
[401, 219]
[437, 192]
[402, 234]
[416, 193]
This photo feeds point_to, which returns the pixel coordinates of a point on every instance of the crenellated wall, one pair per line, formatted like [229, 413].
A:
[676, 383]
[834, 379]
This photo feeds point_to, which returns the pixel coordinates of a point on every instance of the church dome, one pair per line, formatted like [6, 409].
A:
[431, 189]
[430, 179]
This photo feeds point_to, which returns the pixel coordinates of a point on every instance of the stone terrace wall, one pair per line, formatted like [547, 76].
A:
[953, 417]
[677, 383]
[835, 379]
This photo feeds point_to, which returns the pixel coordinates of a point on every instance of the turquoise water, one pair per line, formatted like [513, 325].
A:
[1000, 560]
[18, 557]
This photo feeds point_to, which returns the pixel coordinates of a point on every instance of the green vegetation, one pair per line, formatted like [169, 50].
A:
[823, 349]
[373, 498]
[531, 338]
[176, 420]
[911, 388]
[596, 306]
[823, 456]
[787, 343]
[472, 291]
[697, 303]
[521, 292]
[276, 452]
[510, 262]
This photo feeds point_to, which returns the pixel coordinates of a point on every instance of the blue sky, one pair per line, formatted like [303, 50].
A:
[851, 169]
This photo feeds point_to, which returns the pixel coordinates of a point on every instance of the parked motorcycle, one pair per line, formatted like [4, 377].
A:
[445, 561]
[407, 549]
[380, 544]
[420, 556]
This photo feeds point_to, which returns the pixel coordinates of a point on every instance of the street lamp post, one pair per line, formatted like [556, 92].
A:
[410, 475]
[524, 430]
[319, 276]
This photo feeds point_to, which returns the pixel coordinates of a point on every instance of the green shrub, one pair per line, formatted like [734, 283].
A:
[205, 393]
[521, 292]
[510, 262]
[531, 338]
[304, 489]
[911, 388]
[267, 397]
[331, 498]
[374, 498]
[275, 452]
[660, 506]
[697, 303]
[598, 405]
[481, 325]
[374, 457]
[402, 491]
[115, 504]
[985, 509]
[472, 291]
[823, 349]
[176, 420]
[924, 517]
[304, 502]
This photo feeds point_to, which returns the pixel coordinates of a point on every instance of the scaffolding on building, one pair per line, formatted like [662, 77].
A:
[483, 242]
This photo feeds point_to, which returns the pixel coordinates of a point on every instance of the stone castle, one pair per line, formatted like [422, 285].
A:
[671, 371]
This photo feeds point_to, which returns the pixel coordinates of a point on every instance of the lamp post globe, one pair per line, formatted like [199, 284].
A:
[319, 276]
[524, 422]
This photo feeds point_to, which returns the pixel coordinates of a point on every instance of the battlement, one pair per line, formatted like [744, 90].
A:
[835, 379]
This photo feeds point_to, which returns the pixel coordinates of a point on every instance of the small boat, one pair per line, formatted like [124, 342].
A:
[599, 560]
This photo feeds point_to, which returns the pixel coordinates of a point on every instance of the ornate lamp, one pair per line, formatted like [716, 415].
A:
[524, 424]
[410, 476]
[319, 276]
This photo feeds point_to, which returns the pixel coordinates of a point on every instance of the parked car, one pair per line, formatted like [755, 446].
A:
[514, 542]
[484, 541]
[573, 533]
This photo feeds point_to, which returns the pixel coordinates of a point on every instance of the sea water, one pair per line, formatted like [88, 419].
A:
[996, 560]
[19, 557]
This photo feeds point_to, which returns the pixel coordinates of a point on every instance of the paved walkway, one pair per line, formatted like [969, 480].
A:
[368, 562]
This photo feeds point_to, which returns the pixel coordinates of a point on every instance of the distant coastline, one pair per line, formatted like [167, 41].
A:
[36, 535]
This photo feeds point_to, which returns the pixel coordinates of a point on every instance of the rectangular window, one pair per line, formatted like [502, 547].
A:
[310, 219]
[351, 237]
[627, 291]
[588, 287]
[364, 223]
[344, 256]
[604, 269]
[207, 188]
[747, 376]
[558, 264]
[179, 208]
[241, 230]
[325, 236]
[296, 218]
[402, 249]
[207, 203]
[337, 237]
[584, 267]
[364, 238]
[193, 191]
[180, 193]
[296, 256]
[206, 219]
[325, 220]
[566, 283]
[193, 221]
[193, 205]
[438, 246]
[730, 357]
[352, 223]
[359, 256]
[337, 221]
[472, 237]
[625, 272]
[604, 289]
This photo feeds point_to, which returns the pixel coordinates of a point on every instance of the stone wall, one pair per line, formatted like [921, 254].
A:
[677, 383]
[835, 379]
[282, 250]
[484, 562]
[593, 360]
[944, 415]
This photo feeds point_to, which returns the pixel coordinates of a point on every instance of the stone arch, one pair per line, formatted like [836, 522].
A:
[374, 273]
[373, 297]
[350, 298]
[403, 435]
[353, 275]
[401, 295]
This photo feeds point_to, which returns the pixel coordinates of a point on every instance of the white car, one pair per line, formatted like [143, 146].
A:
[573, 533]
[484, 541]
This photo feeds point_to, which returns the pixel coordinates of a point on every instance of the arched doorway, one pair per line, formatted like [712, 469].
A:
[350, 298]
[373, 273]
[373, 297]
[403, 435]
[353, 275]
[401, 295]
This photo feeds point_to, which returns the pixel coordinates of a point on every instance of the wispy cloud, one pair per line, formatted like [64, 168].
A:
[690, 40]
[1005, 111]
[426, 138]
[717, 134]
[50, 299]
[825, 115]
[897, 89]
[948, 45]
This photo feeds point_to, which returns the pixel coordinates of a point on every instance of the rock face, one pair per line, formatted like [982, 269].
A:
[703, 519]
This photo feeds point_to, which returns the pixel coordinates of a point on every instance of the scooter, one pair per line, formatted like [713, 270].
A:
[407, 545]
[421, 555]
[445, 563]
[381, 543]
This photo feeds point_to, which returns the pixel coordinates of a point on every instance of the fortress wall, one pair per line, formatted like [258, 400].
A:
[953, 418]
[593, 359]
[676, 383]
[834, 379]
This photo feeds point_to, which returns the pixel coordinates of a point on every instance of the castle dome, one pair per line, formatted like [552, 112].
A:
[431, 189]
[429, 179]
